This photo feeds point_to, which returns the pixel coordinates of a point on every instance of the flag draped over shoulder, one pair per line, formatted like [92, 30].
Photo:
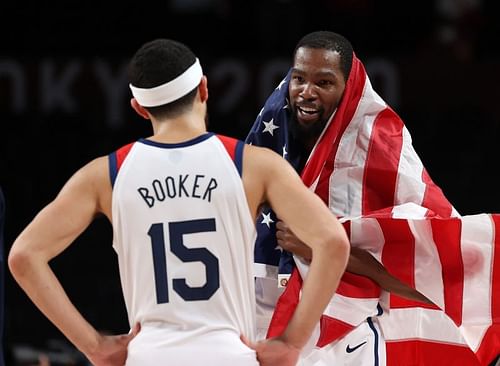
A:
[271, 130]
[365, 169]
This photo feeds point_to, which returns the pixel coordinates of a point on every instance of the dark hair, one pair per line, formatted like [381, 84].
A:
[158, 62]
[329, 41]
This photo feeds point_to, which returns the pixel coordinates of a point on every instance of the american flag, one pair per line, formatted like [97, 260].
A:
[271, 130]
[365, 169]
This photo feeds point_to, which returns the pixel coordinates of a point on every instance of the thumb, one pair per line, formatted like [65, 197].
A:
[132, 333]
[135, 329]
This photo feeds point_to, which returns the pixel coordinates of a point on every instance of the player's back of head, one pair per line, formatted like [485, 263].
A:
[158, 62]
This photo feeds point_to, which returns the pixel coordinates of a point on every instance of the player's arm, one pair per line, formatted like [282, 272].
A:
[86, 194]
[361, 262]
[314, 224]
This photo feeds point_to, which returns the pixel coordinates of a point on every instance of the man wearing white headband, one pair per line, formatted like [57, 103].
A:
[182, 204]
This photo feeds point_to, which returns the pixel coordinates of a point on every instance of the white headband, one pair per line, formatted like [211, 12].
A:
[170, 91]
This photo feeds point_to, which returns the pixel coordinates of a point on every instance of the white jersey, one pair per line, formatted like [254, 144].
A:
[184, 236]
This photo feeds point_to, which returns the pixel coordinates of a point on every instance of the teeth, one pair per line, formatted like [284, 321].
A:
[308, 110]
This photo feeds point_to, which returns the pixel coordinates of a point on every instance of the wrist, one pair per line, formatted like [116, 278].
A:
[92, 344]
[296, 343]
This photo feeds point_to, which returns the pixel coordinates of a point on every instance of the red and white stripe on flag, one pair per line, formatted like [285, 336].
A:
[454, 262]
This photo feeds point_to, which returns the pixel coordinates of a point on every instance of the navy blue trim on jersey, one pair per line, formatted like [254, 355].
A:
[113, 167]
[375, 343]
[165, 145]
[380, 311]
[238, 156]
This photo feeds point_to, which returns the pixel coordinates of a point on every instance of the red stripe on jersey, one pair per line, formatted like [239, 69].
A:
[230, 145]
[121, 154]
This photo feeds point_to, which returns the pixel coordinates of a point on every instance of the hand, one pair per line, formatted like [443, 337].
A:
[112, 350]
[288, 241]
[394, 286]
[274, 352]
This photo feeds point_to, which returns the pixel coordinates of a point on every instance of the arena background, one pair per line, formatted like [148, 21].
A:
[64, 100]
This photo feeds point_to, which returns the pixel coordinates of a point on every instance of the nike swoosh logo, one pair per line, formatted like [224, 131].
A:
[350, 350]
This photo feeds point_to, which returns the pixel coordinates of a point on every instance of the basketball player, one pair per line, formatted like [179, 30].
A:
[182, 204]
[355, 152]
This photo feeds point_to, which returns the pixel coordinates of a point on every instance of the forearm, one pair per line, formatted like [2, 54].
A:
[318, 288]
[41, 285]
[363, 263]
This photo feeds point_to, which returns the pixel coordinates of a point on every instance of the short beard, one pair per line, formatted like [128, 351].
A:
[306, 133]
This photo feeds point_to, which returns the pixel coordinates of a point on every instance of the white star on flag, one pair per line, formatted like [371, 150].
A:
[267, 219]
[269, 127]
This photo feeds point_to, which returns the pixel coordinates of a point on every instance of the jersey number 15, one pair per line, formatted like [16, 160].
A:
[177, 230]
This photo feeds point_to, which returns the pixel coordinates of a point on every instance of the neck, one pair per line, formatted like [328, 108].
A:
[182, 128]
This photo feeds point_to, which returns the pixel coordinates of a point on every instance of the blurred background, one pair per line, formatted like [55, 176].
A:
[64, 100]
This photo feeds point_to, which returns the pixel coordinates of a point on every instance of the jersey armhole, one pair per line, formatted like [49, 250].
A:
[234, 148]
[116, 159]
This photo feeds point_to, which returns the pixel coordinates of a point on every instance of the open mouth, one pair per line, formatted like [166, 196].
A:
[307, 114]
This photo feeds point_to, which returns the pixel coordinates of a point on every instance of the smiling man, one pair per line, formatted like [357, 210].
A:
[316, 87]
[356, 154]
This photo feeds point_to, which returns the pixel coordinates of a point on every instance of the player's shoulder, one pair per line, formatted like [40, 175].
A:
[264, 161]
[262, 152]
[93, 172]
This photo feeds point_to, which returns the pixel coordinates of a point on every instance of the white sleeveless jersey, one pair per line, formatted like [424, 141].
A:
[184, 236]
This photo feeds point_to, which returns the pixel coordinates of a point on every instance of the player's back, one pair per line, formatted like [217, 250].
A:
[184, 238]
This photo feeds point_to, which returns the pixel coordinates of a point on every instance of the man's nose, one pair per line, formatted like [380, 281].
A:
[308, 91]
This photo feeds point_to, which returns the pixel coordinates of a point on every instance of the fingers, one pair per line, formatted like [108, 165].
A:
[281, 226]
[281, 234]
[126, 338]
[135, 329]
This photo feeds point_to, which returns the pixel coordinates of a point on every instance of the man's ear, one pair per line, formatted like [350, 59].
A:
[140, 110]
[203, 89]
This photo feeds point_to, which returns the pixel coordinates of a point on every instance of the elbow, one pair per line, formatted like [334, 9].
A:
[337, 247]
[342, 248]
[18, 261]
